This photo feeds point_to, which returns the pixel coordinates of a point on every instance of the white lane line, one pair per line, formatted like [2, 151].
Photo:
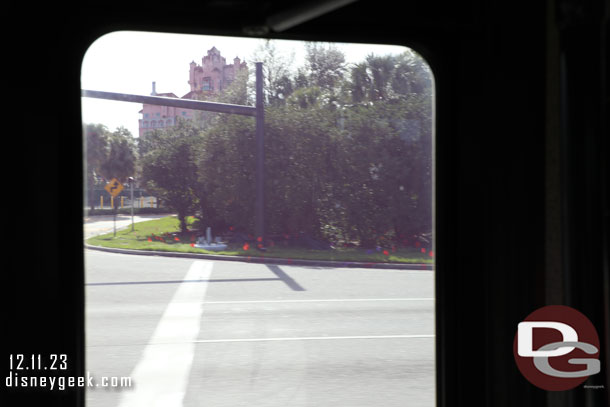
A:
[161, 376]
[322, 300]
[312, 338]
[306, 338]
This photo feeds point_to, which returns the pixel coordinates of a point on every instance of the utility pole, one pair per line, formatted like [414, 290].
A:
[259, 213]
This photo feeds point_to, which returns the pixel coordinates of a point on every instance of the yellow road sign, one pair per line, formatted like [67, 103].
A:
[114, 187]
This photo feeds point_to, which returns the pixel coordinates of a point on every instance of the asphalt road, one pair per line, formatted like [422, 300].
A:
[223, 333]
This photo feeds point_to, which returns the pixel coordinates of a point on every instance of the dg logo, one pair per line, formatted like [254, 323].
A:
[556, 348]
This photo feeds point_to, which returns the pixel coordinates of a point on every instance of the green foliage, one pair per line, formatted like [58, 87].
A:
[165, 235]
[383, 78]
[348, 152]
[121, 160]
[169, 167]
[226, 173]
[276, 74]
[326, 64]
[108, 155]
[299, 167]
[97, 146]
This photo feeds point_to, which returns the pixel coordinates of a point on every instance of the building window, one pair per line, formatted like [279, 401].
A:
[144, 124]
[206, 84]
[153, 123]
[168, 122]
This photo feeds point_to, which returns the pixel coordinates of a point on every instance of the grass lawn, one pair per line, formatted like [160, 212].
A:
[164, 235]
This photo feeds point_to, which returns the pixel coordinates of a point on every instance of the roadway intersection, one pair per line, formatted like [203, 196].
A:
[228, 333]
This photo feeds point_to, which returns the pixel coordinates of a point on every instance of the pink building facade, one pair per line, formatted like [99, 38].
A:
[211, 77]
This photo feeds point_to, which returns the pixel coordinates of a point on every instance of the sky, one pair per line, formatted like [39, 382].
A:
[129, 61]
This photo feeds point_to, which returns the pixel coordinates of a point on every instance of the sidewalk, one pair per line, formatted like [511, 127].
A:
[98, 225]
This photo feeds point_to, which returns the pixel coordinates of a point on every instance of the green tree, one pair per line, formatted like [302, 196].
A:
[306, 97]
[398, 89]
[299, 168]
[97, 148]
[149, 141]
[360, 85]
[325, 68]
[278, 84]
[169, 168]
[383, 78]
[297, 142]
[226, 169]
[326, 65]
[384, 159]
[121, 159]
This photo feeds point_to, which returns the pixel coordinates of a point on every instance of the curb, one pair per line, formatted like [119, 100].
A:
[267, 260]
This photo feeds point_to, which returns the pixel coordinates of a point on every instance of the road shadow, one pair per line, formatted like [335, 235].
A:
[285, 278]
[218, 280]
[281, 276]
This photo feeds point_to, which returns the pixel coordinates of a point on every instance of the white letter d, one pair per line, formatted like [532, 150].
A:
[524, 338]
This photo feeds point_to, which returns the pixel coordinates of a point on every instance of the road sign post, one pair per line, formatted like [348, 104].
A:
[131, 181]
[114, 187]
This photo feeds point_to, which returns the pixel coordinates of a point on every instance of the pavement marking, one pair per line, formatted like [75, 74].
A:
[305, 338]
[312, 338]
[161, 376]
[320, 300]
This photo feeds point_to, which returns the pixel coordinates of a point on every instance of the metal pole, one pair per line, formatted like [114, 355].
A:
[259, 221]
[174, 102]
[131, 183]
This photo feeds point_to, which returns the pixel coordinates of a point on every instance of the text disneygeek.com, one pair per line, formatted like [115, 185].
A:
[15, 380]
[24, 373]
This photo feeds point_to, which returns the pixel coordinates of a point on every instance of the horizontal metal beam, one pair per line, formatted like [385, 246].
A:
[173, 102]
[304, 12]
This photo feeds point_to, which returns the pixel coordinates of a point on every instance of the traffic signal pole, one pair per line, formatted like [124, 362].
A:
[259, 217]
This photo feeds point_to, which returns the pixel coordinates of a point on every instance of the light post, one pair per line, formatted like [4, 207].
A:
[131, 180]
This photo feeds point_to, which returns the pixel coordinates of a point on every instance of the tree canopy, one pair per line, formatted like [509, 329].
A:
[108, 155]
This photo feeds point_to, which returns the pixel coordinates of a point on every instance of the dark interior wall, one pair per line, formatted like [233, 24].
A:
[521, 157]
